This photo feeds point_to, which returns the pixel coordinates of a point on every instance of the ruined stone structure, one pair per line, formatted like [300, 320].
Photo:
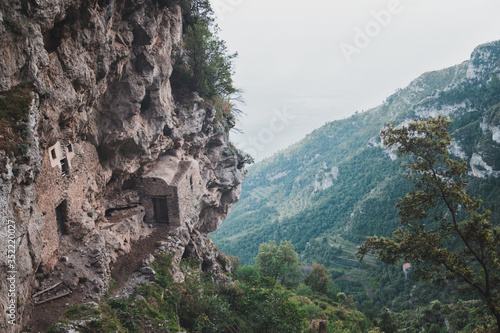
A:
[169, 190]
[107, 142]
[64, 192]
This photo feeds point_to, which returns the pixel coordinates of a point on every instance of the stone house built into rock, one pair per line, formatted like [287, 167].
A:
[61, 156]
[169, 189]
[66, 187]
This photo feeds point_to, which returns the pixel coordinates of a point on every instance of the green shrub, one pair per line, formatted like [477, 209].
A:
[312, 311]
[162, 264]
[248, 274]
[77, 311]
[209, 62]
[340, 314]
[304, 290]
[15, 103]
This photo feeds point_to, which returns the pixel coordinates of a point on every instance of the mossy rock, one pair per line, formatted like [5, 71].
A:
[14, 116]
[15, 104]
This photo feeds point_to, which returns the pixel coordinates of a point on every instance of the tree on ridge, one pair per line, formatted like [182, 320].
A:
[444, 234]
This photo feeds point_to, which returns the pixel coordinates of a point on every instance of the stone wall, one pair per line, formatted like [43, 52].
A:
[180, 183]
[78, 189]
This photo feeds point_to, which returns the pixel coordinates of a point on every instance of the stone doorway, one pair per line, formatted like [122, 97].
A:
[62, 218]
[65, 167]
[160, 209]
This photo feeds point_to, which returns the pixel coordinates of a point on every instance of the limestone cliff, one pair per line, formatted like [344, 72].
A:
[109, 156]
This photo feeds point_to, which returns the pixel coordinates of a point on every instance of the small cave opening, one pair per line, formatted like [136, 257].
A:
[130, 184]
[65, 119]
[77, 86]
[189, 252]
[130, 149]
[146, 103]
[167, 131]
[186, 254]
[143, 64]
[141, 36]
[62, 218]
[52, 38]
[207, 265]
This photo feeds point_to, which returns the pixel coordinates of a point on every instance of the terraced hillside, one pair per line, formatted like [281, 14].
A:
[340, 184]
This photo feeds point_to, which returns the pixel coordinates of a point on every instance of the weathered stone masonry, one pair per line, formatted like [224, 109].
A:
[173, 187]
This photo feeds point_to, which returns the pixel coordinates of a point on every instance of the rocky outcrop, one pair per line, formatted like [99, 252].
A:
[102, 117]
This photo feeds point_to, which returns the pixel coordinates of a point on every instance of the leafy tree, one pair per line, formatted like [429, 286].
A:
[192, 10]
[369, 310]
[459, 244]
[278, 262]
[318, 279]
[269, 308]
[203, 64]
[386, 323]
[435, 328]
[304, 290]
[209, 61]
[248, 273]
[235, 263]
[341, 296]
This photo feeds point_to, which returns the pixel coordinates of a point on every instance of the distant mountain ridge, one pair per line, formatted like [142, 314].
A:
[340, 181]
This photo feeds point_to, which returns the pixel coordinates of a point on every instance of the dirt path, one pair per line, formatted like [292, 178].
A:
[46, 315]
[127, 264]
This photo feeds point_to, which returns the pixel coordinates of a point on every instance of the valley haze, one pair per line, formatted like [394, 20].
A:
[290, 55]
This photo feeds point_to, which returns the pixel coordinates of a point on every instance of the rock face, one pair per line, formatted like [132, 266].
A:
[103, 128]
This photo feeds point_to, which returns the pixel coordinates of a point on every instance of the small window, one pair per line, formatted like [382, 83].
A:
[53, 153]
[65, 167]
[70, 148]
[191, 182]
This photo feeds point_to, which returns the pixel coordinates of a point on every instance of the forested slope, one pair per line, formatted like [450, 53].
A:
[340, 184]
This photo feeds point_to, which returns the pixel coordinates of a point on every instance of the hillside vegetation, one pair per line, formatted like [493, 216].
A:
[338, 185]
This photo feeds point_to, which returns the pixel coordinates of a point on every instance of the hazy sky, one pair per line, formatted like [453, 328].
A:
[303, 63]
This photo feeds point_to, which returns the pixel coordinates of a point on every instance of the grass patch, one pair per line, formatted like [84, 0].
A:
[15, 103]
[112, 287]
[81, 312]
